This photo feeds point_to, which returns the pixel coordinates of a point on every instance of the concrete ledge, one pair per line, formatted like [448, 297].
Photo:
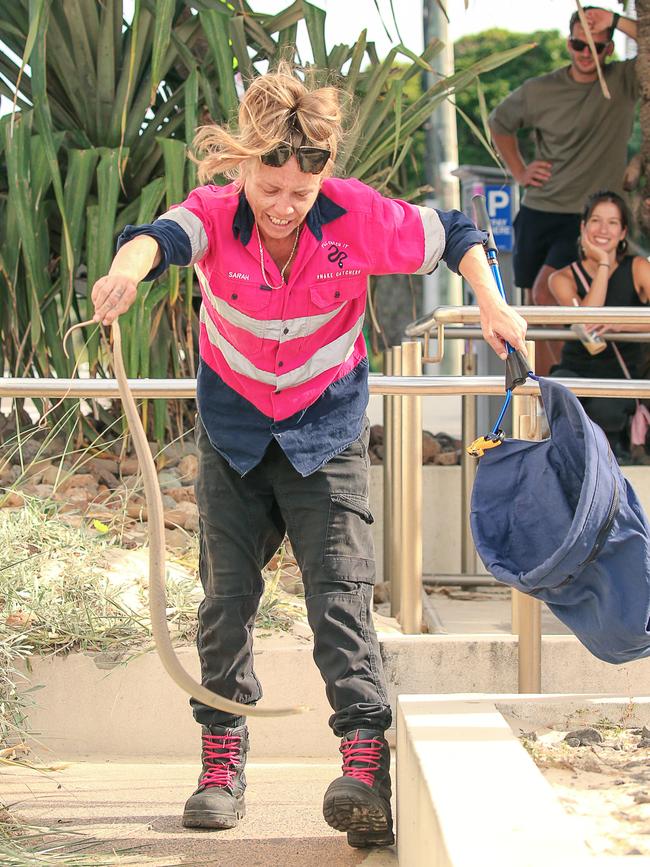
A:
[441, 526]
[468, 793]
[91, 707]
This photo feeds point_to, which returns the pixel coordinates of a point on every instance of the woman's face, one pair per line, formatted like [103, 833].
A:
[604, 227]
[280, 197]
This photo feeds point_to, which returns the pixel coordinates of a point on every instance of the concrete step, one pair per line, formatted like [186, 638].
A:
[133, 810]
[89, 706]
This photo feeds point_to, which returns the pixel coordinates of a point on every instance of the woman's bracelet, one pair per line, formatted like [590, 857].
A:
[603, 264]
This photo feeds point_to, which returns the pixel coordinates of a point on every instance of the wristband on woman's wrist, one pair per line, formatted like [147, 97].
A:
[615, 19]
[603, 264]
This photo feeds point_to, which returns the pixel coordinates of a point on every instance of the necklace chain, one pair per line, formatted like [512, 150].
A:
[286, 264]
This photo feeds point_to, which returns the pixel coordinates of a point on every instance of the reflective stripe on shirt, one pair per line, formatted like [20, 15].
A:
[331, 355]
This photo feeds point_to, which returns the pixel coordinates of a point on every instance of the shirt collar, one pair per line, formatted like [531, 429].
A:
[323, 211]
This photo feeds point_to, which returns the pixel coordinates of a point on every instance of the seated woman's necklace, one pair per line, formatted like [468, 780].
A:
[286, 264]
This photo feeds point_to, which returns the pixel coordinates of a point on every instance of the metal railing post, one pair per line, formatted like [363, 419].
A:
[411, 547]
[527, 610]
[468, 466]
[396, 489]
[388, 470]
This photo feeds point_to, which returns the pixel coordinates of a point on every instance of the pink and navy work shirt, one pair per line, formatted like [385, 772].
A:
[290, 363]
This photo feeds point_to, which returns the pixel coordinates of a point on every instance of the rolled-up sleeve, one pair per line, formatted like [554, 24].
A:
[460, 235]
[510, 115]
[180, 233]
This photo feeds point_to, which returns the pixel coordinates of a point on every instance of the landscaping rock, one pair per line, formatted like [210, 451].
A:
[35, 470]
[376, 435]
[129, 467]
[169, 479]
[585, 737]
[447, 459]
[192, 514]
[12, 500]
[44, 491]
[104, 465]
[80, 480]
[136, 510]
[431, 448]
[51, 475]
[176, 539]
[181, 494]
[189, 468]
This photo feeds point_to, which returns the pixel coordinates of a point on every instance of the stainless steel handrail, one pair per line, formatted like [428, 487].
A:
[467, 332]
[400, 385]
[534, 316]
[442, 316]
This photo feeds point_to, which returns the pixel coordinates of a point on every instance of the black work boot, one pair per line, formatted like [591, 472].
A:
[218, 801]
[359, 801]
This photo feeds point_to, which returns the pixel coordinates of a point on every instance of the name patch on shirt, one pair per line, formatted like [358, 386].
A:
[237, 275]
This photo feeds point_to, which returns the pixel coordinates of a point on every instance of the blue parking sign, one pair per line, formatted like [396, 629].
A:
[499, 208]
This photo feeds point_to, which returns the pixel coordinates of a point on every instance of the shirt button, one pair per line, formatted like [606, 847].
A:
[280, 363]
[285, 330]
[234, 296]
[337, 294]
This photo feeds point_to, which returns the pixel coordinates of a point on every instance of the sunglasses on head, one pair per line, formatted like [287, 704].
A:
[310, 159]
[580, 45]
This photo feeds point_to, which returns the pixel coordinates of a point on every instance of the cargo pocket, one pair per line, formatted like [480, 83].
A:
[349, 549]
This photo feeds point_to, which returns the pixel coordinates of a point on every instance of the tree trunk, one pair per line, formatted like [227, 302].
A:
[643, 75]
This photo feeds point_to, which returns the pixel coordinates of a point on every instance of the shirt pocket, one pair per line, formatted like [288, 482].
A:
[331, 294]
[243, 314]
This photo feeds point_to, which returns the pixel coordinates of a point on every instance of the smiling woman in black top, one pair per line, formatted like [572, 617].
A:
[604, 276]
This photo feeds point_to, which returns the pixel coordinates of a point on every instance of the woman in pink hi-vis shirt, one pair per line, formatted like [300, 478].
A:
[282, 256]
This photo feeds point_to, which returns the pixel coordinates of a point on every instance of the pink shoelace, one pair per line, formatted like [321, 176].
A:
[221, 753]
[359, 750]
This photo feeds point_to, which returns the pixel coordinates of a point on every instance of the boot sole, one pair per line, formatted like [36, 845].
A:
[212, 820]
[367, 823]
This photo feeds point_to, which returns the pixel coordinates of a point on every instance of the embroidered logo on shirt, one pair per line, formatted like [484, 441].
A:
[335, 254]
[348, 272]
[237, 275]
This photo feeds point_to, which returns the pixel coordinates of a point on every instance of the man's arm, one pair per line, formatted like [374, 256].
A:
[604, 19]
[535, 174]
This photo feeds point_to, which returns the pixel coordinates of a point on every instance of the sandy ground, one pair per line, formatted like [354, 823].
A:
[604, 786]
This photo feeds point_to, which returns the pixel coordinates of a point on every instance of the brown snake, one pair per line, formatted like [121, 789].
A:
[156, 530]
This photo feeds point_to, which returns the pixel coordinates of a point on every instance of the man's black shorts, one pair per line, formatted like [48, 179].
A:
[543, 238]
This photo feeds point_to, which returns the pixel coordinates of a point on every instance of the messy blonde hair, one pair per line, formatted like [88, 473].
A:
[276, 108]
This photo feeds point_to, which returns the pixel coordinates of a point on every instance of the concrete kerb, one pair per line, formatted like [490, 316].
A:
[467, 791]
[88, 706]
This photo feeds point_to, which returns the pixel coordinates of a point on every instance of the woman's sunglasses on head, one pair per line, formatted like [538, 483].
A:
[310, 159]
[580, 45]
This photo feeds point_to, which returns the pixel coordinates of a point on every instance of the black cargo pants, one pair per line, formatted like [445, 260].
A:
[327, 519]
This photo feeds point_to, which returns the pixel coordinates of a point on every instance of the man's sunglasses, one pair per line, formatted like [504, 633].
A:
[310, 159]
[580, 45]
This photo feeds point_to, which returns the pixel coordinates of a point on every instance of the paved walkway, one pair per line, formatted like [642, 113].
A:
[133, 810]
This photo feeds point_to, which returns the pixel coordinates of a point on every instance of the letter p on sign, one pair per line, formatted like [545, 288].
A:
[496, 201]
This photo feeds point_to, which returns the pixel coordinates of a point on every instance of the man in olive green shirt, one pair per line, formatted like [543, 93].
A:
[580, 147]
